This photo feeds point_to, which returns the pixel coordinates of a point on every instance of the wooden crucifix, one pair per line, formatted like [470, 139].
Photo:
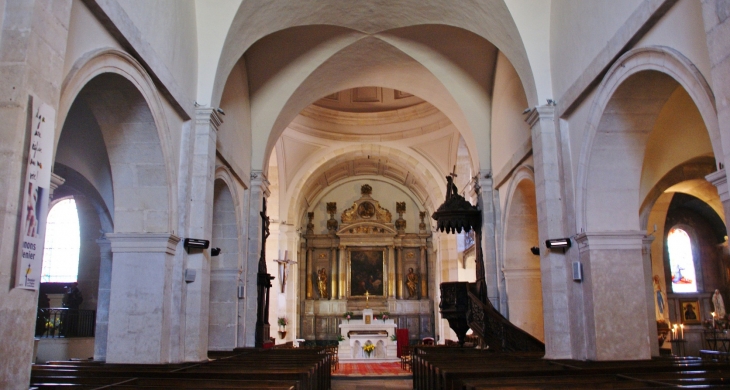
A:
[283, 269]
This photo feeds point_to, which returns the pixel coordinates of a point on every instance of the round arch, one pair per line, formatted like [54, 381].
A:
[106, 63]
[664, 65]
[522, 268]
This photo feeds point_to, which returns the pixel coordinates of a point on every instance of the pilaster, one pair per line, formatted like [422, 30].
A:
[719, 180]
[615, 282]
[102, 306]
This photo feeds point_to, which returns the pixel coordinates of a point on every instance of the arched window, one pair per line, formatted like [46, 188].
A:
[681, 261]
[61, 250]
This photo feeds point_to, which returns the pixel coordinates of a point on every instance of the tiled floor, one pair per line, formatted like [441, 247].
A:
[368, 384]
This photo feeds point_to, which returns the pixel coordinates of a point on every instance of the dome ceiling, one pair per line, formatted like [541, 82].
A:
[368, 99]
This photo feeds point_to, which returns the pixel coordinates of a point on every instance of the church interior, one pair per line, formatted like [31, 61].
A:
[215, 175]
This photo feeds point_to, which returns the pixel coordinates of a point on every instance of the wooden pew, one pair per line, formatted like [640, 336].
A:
[303, 369]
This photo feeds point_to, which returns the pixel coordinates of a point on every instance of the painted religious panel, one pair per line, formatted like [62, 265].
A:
[366, 272]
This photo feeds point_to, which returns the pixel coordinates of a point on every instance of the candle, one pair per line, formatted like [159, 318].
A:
[713, 320]
[681, 328]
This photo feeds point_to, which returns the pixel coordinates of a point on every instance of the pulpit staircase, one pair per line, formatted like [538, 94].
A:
[462, 307]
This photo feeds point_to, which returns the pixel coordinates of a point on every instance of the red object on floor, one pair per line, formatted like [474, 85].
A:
[370, 369]
[402, 338]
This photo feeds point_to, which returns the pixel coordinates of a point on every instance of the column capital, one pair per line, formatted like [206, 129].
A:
[538, 113]
[719, 180]
[626, 239]
[56, 181]
[208, 115]
[143, 242]
[258, 179]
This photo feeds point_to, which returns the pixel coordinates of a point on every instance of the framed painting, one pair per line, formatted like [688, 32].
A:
[690, 311]
[366, 272]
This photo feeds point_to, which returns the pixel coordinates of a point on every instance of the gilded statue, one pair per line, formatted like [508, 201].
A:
[322, 282]
[411, 283]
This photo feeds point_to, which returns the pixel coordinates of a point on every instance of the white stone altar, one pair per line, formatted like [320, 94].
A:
[358, 332]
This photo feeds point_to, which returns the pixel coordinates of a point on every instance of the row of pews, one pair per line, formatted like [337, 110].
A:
[291, 369]
[447, 368]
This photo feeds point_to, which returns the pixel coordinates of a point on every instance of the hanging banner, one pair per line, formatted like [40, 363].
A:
[35, 197]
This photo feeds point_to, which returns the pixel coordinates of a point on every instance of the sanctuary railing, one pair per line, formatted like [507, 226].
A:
[63, 322]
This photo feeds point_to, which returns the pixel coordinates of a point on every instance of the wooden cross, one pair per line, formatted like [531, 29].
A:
[283, 271]
[453, 172]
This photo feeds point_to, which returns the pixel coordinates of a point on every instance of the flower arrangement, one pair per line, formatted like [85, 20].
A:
[282, 321]
[347, 315]
[368, 348]
[384, 315]
[340, 337]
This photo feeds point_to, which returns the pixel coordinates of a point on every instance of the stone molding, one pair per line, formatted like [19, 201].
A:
[538, 113]
[627, 239]
[143, 242]
[719, 180]
[522, 272]
[208, 115]
[258, 179]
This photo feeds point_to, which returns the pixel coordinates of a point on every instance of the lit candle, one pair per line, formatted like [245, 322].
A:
[674, 332]
[681, 330]
[713, 320]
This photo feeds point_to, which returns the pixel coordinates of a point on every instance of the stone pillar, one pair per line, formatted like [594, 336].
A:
[140, 319]
[716, 15]
[33, 40]
[485, 200]
[259, 190]
[200, 219]
[612, 332]
[102, 304]
[56, 181]
[563, 320]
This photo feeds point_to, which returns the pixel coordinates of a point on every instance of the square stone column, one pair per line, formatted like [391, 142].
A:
[259, 190]
[615, 277]
[562, 300]
[719, 180]
[200, 225]
[140, 304]
[485, 196]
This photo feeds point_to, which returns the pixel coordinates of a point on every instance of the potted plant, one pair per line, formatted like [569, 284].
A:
[282, 321]
[340, 337]
[368, 348]
[347, 316]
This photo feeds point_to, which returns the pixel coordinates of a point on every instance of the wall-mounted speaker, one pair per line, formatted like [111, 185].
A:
[241, 292]
[577, 271]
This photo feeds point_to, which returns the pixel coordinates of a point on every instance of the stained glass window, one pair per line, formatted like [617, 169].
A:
[681, 261]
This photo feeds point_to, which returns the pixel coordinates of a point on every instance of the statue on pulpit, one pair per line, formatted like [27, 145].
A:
[322, 282]
[411, 283]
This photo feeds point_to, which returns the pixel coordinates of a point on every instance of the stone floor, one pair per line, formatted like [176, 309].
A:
[368, 384]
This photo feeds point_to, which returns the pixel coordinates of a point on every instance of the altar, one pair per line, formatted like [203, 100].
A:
[357, 333]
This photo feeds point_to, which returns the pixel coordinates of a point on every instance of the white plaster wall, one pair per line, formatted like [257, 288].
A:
[679, 135]
[509, 129]
[85, 34]
[579, 30]
[213, 18]
[169, 26]
[682, 28]
[234, 135]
